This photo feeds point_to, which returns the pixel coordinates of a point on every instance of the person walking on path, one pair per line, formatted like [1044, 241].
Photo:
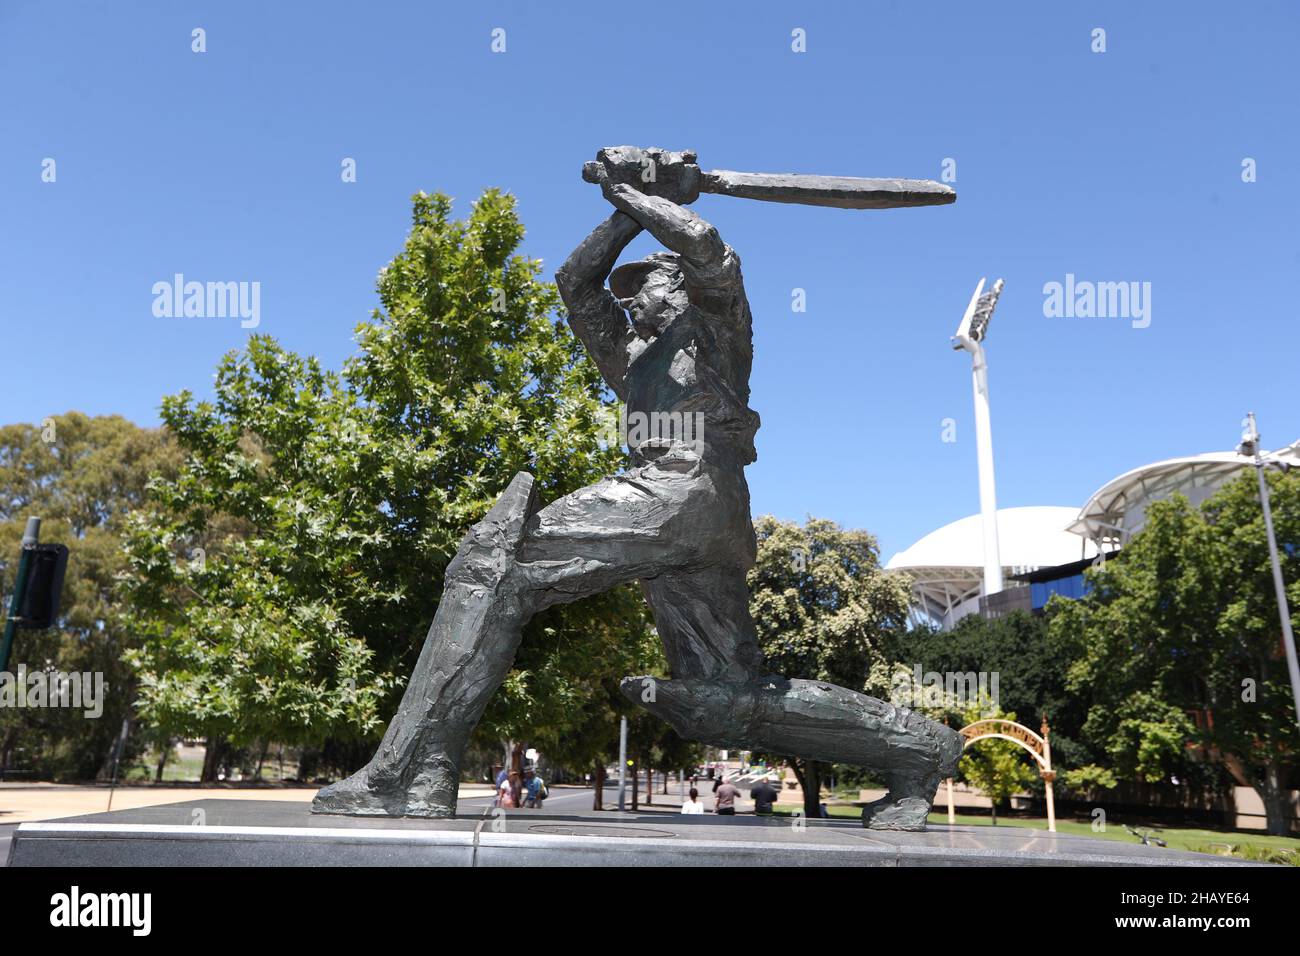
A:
[694, 805]
[534, 790]
[764, 795]
[508, 795]
[725, 799]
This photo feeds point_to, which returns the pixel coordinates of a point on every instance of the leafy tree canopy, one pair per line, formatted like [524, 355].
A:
[1178, 644]
[824, 609]
[285, 579]
[82, 476]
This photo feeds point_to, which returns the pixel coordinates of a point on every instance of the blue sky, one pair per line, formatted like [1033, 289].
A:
[1117, 166]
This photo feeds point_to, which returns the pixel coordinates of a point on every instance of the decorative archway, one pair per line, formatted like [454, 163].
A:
[1038, 746]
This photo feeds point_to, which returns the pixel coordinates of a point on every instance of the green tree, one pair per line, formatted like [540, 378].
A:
[1178, 644]
[82, 476]
[1087, 780]
[824, 608]
[326, 506]
[246, 572]
[1029, 660]
[1247, 689]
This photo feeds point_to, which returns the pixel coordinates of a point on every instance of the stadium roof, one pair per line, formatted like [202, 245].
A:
[947, 565]
[1117, 510]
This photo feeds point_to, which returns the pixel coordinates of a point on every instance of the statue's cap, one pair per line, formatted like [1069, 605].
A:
[627, 279]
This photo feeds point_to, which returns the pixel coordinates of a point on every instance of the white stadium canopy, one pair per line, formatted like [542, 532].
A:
[1118, 509]
[947, 565]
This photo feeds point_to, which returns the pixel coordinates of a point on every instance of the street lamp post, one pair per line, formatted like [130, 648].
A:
[31, 537]
[622, 762]
[1250, 447]
[970, 334]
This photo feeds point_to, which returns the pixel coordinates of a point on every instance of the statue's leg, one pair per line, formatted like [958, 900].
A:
[721, 692]
[511, 565]
[467, 653]
[817, 721]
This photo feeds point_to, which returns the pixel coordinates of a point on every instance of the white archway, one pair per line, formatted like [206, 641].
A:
[1038, 747]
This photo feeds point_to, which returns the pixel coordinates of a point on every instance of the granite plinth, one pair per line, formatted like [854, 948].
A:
[272, 833]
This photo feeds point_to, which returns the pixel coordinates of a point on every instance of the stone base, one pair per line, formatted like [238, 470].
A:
[275, 833]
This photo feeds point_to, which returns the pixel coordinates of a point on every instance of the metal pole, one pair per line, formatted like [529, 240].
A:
[1250, 446]
[622, 762]
[31, 537]
[117, 757]
[1288, 639]
[988, 488]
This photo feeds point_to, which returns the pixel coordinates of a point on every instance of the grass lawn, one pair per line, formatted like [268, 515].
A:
[1247, 845]
[178, 769]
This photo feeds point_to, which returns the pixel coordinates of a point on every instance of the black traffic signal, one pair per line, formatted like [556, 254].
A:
[40, 604]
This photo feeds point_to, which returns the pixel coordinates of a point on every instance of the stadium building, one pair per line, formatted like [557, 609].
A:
[1044, 550]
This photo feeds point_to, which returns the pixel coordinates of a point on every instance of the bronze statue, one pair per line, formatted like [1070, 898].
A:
[671, 335]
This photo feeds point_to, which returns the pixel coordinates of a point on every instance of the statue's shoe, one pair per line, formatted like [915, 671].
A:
[911, 795]
[356, 796]
[894, 813]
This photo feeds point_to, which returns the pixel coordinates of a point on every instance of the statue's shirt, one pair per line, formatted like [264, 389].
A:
[699, 365]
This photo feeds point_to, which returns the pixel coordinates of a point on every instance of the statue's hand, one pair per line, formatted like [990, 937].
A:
[656, 172]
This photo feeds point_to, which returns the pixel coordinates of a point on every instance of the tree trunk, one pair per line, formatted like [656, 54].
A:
[993, 810]
[1274, 799]
[636, 780]
[214, 755]
[517, 759]
[261, 759]
[598, 799]
[7, 749]
[665, 783]
[809, 775]
[649, 786]
[164, 751]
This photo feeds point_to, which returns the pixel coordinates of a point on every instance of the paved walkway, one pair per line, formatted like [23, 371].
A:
[31, 802]
[23, 802]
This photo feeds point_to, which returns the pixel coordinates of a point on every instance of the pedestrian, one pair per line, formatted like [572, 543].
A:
[764, 795]
[534, 790]
[510, 791]
[694, 805]
[724, 803]
[503, 774]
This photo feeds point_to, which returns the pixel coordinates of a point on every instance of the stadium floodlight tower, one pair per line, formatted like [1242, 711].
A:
[970, 337]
